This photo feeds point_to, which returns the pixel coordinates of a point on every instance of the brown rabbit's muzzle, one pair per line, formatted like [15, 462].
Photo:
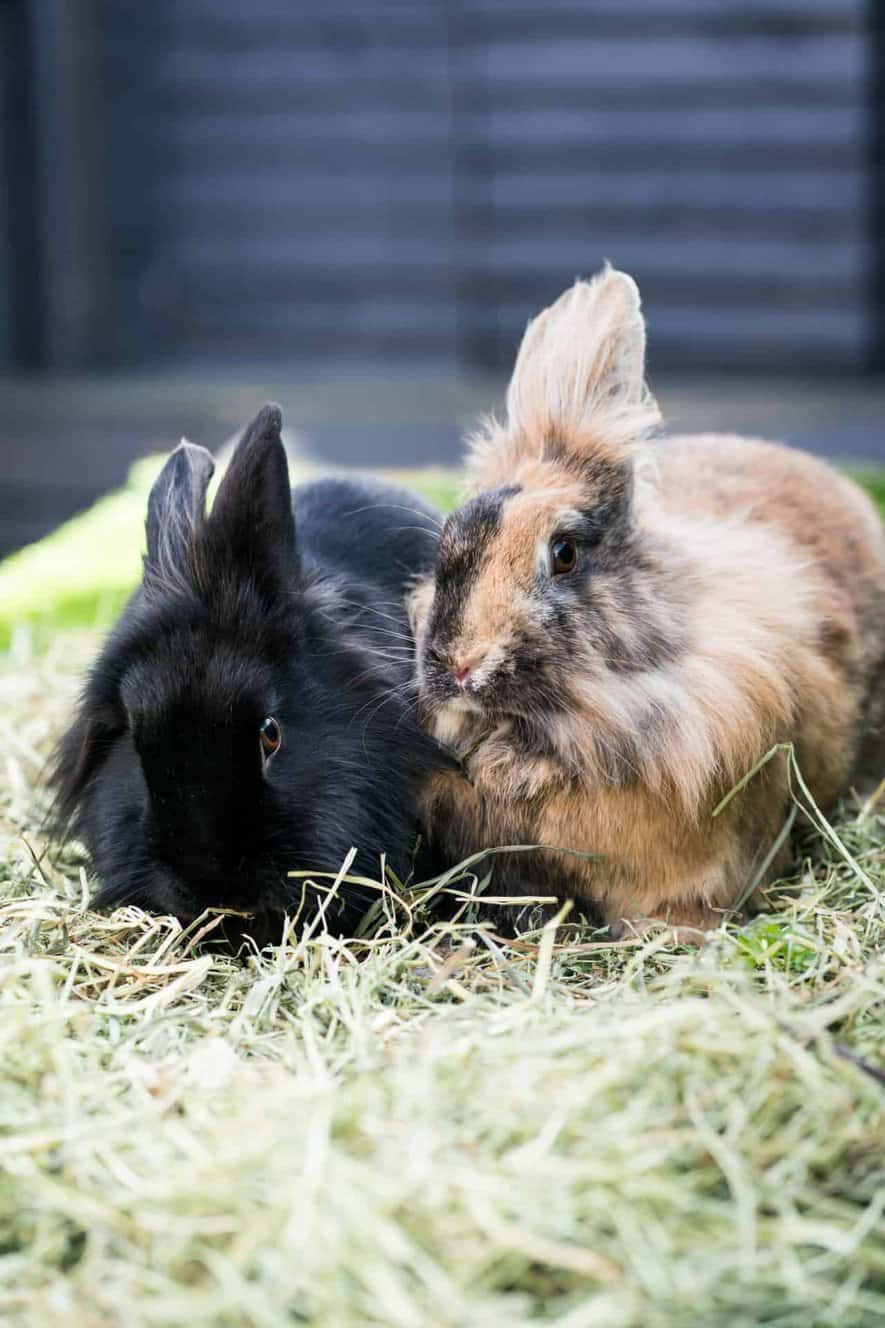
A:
[494, 636]
[499, 662]
[464, 676]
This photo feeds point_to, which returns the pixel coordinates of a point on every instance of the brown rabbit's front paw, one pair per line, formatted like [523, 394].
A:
[685, 925]
[497, 768]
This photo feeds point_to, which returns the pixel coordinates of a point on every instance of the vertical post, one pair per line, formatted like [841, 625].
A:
[876, 12]
[71, 221]
[21, 279]
[6, 265]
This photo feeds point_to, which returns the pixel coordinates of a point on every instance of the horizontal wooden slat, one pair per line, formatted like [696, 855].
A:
[235, 27]
[495, 66]
[806, 261]
[334, 340]
[320, 66]
[319, 193]
[292, 80]
[663, 61]
[281, 19]
[598, 95]
[762, 128]
[770, 18]
[759, 13]
[218, 282]
[453, 96]
[191, 215]
[752, 129]
[556, 196]
[645, 152]
[365, 314]
[424, 177]
[270, 134]
[763, 192]
[278, 145]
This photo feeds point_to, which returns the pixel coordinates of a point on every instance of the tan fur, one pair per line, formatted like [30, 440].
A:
[579, 373]
[766, 569]
[502, 594]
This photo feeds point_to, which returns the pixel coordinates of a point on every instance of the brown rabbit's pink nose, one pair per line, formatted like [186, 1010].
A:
[461, 670]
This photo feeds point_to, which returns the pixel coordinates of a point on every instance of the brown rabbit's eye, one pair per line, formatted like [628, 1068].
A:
[271, 736]
[563, 556]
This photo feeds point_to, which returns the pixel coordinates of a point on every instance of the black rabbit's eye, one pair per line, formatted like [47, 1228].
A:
[271, 737]
[563, 556]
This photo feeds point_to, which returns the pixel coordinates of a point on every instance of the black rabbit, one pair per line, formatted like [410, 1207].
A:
[252, 712]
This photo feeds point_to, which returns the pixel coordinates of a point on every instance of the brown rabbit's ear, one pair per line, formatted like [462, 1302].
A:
[579, 379]
[175, 505]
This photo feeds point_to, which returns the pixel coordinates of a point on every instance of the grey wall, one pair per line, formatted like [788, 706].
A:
[5, 177]
[716, 150]
[288, 179]
[283, 175]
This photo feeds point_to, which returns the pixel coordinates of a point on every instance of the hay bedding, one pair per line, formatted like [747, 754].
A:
[429, 1126]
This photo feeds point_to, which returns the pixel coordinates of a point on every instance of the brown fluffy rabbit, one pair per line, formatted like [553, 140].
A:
[616, 633]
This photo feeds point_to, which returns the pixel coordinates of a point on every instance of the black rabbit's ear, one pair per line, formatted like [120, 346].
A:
[251, 520]
[175, 505]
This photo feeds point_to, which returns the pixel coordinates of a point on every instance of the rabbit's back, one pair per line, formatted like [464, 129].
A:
[822, 516]
[366, 528]
[804, 497]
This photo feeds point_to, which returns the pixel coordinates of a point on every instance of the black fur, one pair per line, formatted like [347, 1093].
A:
[161, 773]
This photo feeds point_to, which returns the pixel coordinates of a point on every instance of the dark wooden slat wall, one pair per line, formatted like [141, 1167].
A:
[6, 260]
[877, 178]
[70, 222]
[297, 177]
[419, 177]
[21, 301]
[720, 156]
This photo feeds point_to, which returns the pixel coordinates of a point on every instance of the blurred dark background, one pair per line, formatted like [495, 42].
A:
[354, 206]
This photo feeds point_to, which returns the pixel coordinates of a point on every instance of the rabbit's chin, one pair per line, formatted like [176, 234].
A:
[467, 704]
[452, 722]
